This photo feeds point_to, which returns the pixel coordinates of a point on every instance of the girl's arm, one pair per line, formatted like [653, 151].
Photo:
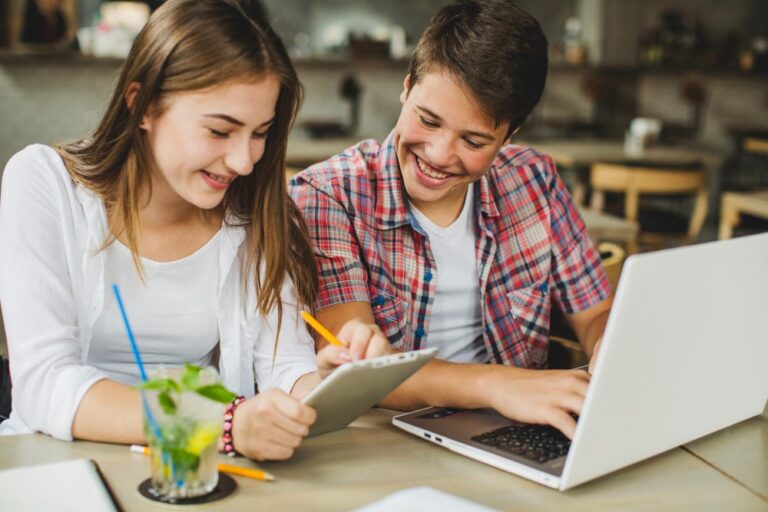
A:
[111, 412]
[38, 229]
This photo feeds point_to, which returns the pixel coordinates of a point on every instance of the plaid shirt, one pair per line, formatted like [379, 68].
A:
[531, 245]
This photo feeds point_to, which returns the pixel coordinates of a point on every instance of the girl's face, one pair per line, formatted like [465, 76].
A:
[203, 140]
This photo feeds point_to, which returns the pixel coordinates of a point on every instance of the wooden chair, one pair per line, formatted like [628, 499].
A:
[756, 145]
[733, 204]
[635, 180]
[749, 195]
[612, 257]
[564, 351]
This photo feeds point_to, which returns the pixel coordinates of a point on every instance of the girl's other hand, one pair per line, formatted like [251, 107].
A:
[271, 425]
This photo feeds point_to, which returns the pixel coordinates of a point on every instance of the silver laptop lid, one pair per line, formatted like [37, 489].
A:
[685, 353]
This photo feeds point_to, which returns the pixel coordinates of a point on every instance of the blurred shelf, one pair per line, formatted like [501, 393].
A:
[48, 55]
[340, 62]
[52, 55]
[661, 69]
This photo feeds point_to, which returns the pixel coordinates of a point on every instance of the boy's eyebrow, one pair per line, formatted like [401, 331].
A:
[482, 135]
[237, 122]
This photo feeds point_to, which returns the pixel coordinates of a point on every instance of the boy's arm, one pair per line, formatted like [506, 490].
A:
[588, 325]
[534, 396]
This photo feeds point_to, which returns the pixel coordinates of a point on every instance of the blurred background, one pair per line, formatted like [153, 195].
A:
[656, 111]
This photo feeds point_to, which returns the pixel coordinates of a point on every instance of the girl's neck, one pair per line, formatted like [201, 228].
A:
[165, 209]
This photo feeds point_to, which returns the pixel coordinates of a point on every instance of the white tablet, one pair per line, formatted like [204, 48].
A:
[355, 387]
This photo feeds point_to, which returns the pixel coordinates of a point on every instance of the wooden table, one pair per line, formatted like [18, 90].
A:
[371, 459]
[583, 152]
[578, 155]
[733, 204]
[741, 452]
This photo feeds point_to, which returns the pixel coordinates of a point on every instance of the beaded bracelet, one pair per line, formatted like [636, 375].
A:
[226, 436]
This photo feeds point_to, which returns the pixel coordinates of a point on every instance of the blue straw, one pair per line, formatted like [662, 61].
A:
[140, 364]
[128, 329]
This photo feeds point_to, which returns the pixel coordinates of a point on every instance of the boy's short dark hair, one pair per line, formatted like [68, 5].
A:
[492, 47]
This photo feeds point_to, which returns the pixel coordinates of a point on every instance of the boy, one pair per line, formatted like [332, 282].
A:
[445, 236]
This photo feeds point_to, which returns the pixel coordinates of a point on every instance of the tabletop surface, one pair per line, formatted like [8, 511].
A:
[583, 152]
[372, 459]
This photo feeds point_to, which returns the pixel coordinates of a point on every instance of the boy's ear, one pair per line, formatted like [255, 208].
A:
[130, 98]
[509, 139]
[406, 88]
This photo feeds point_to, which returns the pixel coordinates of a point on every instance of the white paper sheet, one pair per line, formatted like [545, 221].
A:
[418, 499]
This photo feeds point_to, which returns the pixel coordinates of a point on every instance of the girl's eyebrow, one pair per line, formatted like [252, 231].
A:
[237, 122]
[482, 135]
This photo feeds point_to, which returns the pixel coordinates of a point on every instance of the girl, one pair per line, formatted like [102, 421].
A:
[180, 198]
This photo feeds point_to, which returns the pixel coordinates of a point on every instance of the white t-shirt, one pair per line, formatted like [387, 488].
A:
[53, 289]
[456, 324]
[172, 324]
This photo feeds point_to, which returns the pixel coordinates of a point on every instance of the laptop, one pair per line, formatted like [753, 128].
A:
[684, 354]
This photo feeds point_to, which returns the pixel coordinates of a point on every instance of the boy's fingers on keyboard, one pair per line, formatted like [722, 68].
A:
[563, 422]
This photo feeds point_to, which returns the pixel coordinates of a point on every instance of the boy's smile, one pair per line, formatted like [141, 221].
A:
[444, 142]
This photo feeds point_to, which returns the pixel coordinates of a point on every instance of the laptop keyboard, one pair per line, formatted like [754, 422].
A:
[539, 443]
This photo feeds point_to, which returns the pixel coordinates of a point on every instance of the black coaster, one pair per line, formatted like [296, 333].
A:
[224, 488]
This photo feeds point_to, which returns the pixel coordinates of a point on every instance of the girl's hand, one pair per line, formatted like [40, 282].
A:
[271, 425]
[362, 342]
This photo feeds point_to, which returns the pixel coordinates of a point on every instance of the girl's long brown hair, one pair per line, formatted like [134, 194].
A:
[192, 45]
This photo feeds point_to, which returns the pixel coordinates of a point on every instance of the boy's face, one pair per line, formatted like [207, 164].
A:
[444, 142]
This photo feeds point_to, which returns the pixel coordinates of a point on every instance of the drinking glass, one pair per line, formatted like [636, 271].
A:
[183, 434]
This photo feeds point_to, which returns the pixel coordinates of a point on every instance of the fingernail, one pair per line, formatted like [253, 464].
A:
[345, 356]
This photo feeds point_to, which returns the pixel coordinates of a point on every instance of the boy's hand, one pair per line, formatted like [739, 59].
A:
[593, 359]
[546, 397]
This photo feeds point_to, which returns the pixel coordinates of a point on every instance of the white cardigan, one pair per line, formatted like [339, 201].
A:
[52, 289]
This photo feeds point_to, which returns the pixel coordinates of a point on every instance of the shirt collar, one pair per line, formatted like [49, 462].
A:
[392, 203]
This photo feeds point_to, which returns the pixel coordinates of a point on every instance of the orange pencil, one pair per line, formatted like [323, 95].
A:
[256, 474]
[325, 333]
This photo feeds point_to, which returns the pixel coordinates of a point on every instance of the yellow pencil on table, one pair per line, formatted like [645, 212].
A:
[231, 469]
[325, 333]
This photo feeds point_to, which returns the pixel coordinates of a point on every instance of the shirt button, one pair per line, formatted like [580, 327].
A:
[419, 332]
[378, 300]
[543, 287]
[428, 276]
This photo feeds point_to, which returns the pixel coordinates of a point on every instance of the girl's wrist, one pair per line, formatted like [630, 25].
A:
[227, 438]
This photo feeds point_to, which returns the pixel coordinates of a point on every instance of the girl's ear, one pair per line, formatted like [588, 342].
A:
[130, 94]
[130, 98]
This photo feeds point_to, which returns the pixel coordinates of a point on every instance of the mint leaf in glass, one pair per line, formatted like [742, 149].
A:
[191, 376]
[161, 384]
[166, 402]
[216, 392]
